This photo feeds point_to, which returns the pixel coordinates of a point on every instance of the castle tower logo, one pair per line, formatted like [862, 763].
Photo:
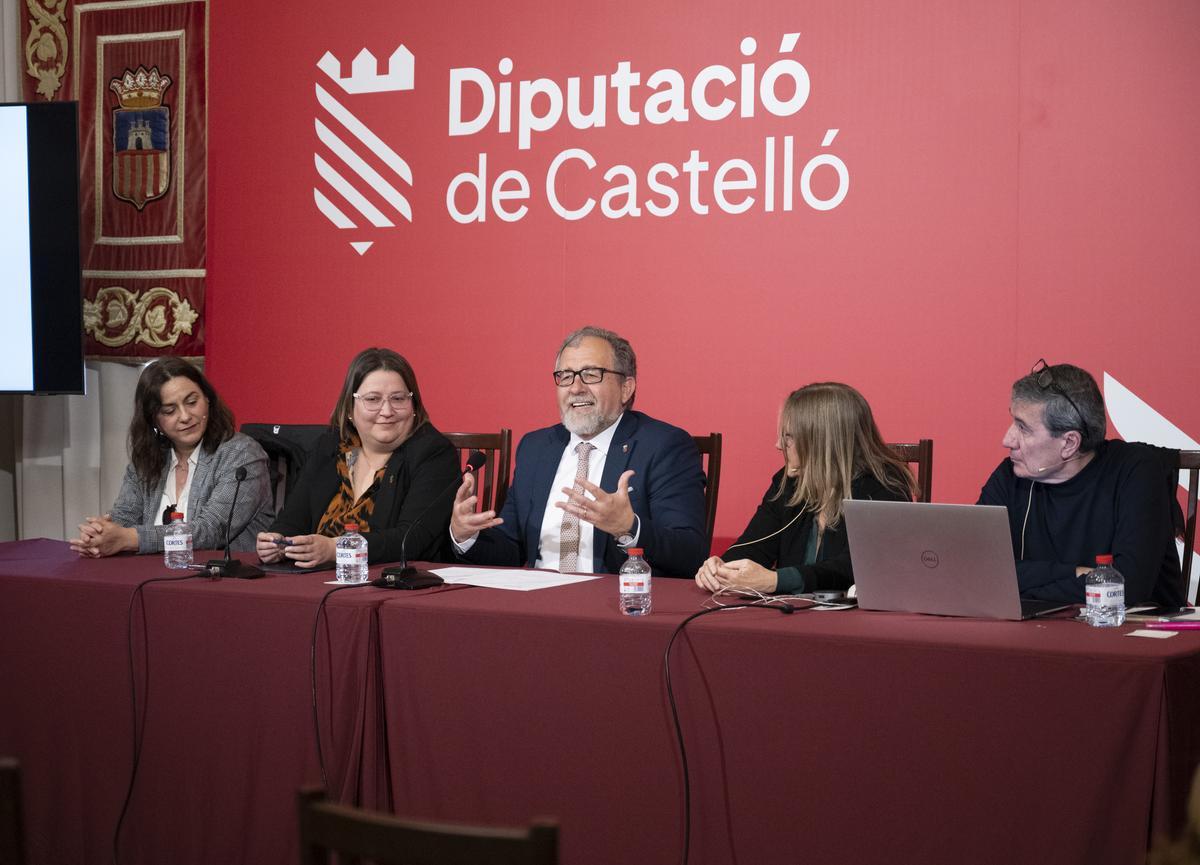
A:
[350, 192]
[141, 167]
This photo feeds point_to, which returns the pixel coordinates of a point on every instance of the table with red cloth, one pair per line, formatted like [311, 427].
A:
[228, 735]
[815, 737]
[848, 737]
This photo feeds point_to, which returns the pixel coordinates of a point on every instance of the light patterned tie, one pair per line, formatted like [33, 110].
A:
[568, 533]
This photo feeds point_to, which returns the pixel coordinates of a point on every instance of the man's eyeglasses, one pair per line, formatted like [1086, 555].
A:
[1045, 380]
[373, 402]
[589, 375]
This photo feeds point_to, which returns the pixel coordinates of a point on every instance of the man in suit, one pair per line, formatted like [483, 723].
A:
[605, 479]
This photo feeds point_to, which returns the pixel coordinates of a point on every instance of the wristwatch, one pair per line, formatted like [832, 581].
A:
[625, 539]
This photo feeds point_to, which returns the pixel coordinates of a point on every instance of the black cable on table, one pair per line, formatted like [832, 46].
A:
[783, 607]
[312, 658]
[139, 730]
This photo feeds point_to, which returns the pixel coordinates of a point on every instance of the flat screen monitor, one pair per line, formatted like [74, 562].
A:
[41, 302]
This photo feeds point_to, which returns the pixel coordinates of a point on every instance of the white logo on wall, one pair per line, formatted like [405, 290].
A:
[351, 193]
[1136, 421]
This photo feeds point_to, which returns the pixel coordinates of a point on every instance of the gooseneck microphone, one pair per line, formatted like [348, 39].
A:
[228, 566]
[404, 576]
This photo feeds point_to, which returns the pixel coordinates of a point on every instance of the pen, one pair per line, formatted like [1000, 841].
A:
[1174, 626]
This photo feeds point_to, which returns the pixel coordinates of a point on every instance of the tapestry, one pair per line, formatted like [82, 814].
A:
[138, 70]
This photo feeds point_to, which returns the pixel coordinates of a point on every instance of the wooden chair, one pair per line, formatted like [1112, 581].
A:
[710, 448]
[327, 828]
[920, 453]
[491, 481]
[12, 842]
[1189, 461]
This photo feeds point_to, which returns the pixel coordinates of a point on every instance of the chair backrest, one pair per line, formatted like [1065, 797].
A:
[710, 449]
[1189, 461]
[12, 842]
[326, 828]
[288, 446]
[491, 481]
[921, 454]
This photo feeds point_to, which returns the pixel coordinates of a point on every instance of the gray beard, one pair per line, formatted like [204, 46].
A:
[587, 427]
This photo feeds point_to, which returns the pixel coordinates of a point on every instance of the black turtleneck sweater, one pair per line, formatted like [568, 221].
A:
[1119, 503]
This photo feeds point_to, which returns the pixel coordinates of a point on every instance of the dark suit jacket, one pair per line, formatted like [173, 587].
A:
[668, 497]
[768, 542]
[417, 478]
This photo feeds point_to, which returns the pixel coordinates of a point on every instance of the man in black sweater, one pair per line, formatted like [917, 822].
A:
[1071, 495]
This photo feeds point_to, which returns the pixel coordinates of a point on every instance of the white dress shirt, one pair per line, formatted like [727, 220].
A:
[548, 553]
[551, 541]
[168, 496]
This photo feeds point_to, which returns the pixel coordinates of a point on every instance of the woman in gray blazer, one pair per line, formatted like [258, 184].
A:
[184, 455]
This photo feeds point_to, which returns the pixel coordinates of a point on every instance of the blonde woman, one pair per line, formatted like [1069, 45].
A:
[796, 541]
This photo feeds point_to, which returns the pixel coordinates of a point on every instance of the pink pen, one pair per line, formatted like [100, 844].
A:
[1174, 626]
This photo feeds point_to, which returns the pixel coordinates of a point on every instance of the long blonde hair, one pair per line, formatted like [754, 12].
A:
[837, 441]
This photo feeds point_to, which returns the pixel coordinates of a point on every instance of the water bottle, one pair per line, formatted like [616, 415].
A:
[351, 556]
[1105, 595]
[177, 543]
[634, 581]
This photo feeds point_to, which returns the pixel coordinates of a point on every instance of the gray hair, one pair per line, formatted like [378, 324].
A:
[624, 360]
[1070, 400]
[623, 357]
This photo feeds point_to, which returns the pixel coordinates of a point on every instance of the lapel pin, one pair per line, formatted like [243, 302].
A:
[625, 448]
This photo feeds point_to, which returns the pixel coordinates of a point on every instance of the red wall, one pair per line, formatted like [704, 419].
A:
[1023, 183]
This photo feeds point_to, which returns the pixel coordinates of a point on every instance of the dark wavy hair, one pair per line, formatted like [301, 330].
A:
[148, 446]
[367, 361]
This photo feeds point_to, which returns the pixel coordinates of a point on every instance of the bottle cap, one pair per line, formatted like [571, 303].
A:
[1104, 559]
[635, 551]
[351, 527]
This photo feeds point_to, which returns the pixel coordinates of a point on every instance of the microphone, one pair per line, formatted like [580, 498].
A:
[1057, 464]
[228, 566]
[405, 576]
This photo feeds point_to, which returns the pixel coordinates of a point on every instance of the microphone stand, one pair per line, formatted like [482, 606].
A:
[228, 566]
[405, 576]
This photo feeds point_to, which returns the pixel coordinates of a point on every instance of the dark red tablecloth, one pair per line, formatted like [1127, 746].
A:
[228, 718]
[827, 737]
[816, 737]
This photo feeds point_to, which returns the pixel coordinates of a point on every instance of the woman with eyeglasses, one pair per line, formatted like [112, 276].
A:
[796, 541]
[184, 455]
[382, 465]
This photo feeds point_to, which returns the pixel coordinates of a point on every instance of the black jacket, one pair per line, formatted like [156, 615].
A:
[784, 552]
[420, 475]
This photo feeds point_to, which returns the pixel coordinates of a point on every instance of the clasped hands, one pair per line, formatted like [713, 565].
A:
[609, 512]
[307, 551]
[717, 574]
[100, 536]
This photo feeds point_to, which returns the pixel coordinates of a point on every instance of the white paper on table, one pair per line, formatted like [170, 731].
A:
[516, 580]
[1153, 635]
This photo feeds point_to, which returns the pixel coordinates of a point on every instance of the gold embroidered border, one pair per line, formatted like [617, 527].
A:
[120, 316]
[46, 46]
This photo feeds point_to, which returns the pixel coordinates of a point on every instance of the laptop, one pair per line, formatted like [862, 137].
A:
[949, 560]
